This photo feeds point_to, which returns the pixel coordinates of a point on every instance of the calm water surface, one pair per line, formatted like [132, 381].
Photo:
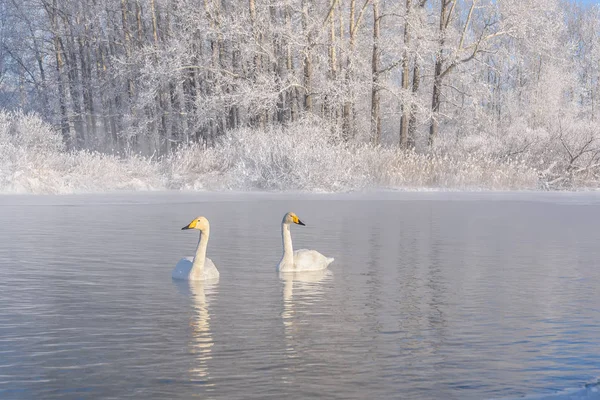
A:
[431, 295]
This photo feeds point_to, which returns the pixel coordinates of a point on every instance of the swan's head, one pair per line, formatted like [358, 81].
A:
[291, 218]
[200, 223]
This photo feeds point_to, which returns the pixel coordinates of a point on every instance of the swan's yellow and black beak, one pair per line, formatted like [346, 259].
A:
[297, 220]
[191, 225]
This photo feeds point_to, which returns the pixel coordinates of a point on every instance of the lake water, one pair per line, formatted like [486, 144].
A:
[430, 296]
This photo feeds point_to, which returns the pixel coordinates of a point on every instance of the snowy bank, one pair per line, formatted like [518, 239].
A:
[301, 157]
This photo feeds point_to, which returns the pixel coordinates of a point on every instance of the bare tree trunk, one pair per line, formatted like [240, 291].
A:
[375, 95]
[293, 93]
[52, 11]
[416, 80]
[42, 91]
[308, 67]
[177, 120]
[348, 114]
[281, 113]
[347, 108]
[74, 83]
[114, 95]
[154, 23]
[168, 118]
[155, 112]
[22, 95]
[412, 121]
[328, 109]
[435, 103]
[86, 91]
[406, 105]
[41, 88]
[216, 125]
[191, 87]
[256, 34]
[103, 121]
[138, 19]
[446, 11]
[85, 58]
[127, 43]
[258, 67]
[437, 74]
[182, 117]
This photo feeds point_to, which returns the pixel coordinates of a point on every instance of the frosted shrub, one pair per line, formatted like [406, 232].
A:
[572, 157]
[28, 131]
[299, 158]
[26, 143]
[564, 152]
[472, 171]
[96, 172]
[306, 156]
[195, 167]
[33, 160]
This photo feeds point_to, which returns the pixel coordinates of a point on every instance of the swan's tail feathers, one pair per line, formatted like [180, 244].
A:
[330, 260]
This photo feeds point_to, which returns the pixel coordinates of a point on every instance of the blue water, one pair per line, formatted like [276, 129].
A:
[431, 295]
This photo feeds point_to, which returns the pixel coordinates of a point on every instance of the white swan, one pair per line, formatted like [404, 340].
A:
[200, 267]
[299, 260]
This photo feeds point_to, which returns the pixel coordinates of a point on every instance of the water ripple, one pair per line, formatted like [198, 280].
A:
[426, 299]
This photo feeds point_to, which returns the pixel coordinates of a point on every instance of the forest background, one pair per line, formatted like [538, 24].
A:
[322, 95]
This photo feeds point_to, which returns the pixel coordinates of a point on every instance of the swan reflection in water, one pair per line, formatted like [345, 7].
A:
[301, 290]
[201, 340]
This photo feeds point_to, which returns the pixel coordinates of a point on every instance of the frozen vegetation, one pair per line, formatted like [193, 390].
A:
[299, 95]
[302, 157]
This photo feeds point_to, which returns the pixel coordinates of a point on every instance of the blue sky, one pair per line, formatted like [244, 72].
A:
[587, 1]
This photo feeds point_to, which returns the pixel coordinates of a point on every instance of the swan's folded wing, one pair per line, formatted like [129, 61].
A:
[310, 260]
[182, 269]
[210, 270]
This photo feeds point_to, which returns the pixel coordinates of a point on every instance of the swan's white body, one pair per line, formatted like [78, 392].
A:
[199, 267]
[299, 260]
[186, 270]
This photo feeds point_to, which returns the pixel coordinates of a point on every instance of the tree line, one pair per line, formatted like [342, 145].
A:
[152, 75]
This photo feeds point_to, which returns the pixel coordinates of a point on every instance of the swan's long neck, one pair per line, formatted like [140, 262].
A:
[288, 250]
[197, 271]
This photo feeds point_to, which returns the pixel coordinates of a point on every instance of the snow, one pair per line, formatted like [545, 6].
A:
[299, 158]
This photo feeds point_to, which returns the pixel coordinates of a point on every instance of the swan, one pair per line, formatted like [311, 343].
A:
[299, 260]
[200, 267]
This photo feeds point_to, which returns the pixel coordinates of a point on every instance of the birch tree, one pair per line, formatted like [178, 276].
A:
[375, 72]
[459, 45]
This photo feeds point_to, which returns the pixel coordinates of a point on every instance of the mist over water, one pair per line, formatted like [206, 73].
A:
[431, 295]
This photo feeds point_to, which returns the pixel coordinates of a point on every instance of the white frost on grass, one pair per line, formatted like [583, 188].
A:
[33, 160]
[302, 157]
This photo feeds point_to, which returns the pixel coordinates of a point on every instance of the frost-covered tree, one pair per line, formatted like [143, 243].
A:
[505, 77]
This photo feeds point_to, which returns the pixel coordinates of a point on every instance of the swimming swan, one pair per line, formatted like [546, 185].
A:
[200, 267]
[299, 260]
